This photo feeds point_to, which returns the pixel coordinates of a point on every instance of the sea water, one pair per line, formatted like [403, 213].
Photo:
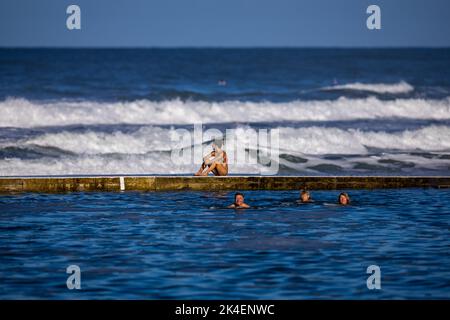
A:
[338, 112]
[111, 111]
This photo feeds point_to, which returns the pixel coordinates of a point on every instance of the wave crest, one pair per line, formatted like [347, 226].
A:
[26, 114]
[310, 140]
[380, 88]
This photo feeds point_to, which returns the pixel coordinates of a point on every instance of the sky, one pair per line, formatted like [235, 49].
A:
[225, 23]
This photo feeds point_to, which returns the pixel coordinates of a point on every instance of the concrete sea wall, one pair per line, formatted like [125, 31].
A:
[171, 183]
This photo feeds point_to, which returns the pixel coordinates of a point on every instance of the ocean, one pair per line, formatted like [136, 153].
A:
[111, 111]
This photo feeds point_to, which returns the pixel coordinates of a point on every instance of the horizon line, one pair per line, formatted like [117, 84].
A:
[223, 47]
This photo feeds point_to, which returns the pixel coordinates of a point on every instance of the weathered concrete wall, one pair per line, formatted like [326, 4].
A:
[170, 183]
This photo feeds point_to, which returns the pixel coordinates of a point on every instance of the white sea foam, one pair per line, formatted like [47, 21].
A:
[24, 114]
[395, 88]
[159, 163]
[144, 140]
[321, 140]
[309, 140]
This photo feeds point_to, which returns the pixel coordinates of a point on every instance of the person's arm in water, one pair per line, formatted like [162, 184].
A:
[241, 206]
[239, 202]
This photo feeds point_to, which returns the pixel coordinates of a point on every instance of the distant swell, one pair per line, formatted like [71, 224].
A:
[396, 88]
[23, 113]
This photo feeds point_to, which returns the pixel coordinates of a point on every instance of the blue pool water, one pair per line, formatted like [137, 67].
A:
[136, 245]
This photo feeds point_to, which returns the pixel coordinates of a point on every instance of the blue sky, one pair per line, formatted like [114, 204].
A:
[224, 23]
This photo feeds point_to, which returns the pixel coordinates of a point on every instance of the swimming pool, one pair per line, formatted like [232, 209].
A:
[187, 245]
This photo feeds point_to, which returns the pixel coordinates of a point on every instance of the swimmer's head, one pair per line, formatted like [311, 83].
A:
[305, 196]
[238, 199]
[344, 199]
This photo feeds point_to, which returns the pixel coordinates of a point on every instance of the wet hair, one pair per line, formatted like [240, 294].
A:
[238, 194]
[304, 192]
[345, 194]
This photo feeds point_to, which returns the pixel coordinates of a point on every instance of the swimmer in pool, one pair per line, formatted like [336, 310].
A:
[344, 199]
[305, 197]
[216, 162]
[239, 202]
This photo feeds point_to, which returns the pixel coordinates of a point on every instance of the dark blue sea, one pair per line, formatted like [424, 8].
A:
[112, 111]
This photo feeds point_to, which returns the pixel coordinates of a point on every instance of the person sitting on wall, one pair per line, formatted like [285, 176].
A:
[216, 162]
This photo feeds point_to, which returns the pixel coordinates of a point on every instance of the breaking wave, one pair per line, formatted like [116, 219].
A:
[310, 140]
[22, 113]
[148, 151]
[380, 88]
